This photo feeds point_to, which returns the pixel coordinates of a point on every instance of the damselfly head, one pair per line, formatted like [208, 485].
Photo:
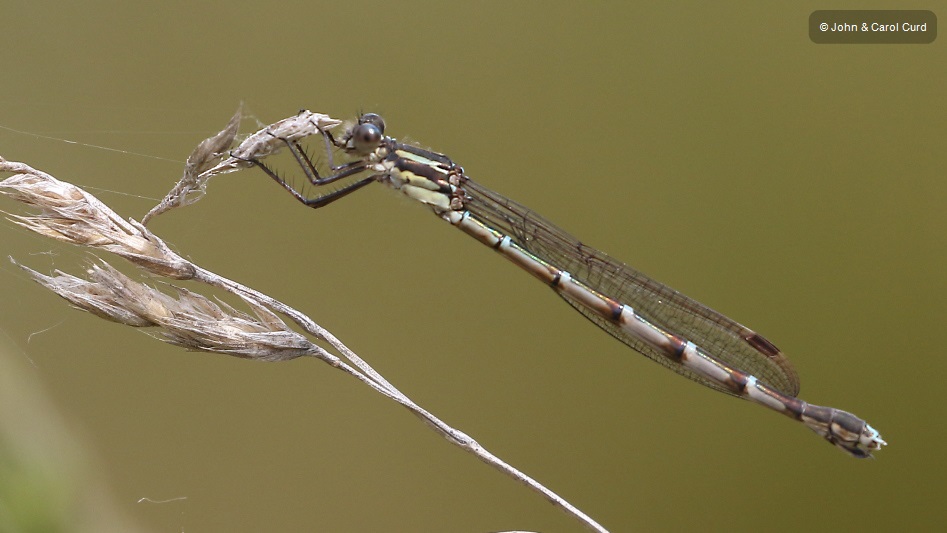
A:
[367, 135]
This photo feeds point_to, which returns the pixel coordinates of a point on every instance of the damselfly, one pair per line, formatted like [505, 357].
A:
[657, 321]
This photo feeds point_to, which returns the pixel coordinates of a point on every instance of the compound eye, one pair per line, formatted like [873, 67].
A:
[374, 120]
[366, 138]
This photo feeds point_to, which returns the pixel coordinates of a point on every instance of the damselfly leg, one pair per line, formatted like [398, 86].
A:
[359, 140]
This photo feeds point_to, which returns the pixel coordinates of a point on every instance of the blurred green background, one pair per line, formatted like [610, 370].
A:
[797, 188]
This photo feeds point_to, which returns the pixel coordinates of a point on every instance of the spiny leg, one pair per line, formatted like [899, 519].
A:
[319, 200]
[312, 174]
[309, 169]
